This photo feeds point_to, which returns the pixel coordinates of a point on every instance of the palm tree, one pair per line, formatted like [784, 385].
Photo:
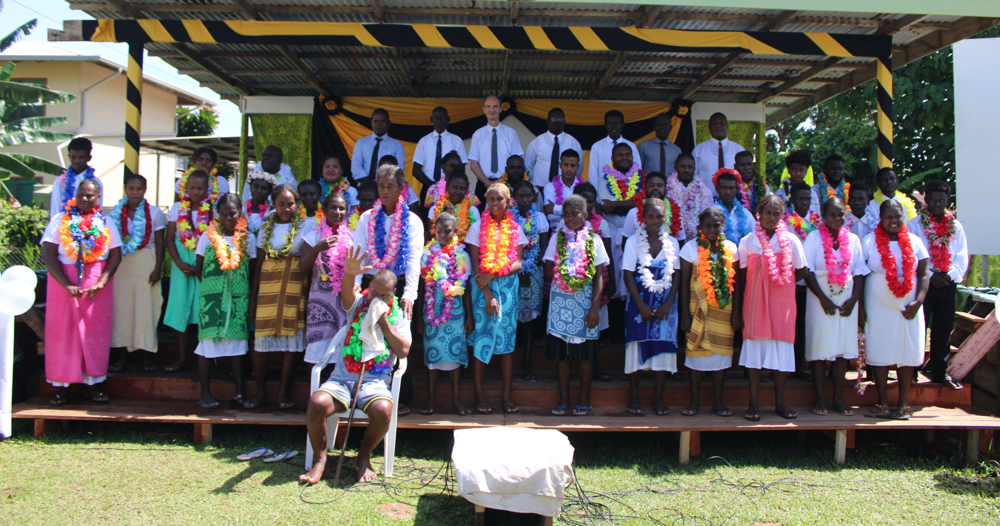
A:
[18, 33]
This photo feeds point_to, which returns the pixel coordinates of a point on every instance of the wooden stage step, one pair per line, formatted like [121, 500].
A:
[843, 428]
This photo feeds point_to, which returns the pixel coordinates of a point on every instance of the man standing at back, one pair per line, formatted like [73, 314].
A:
[600, 152]
[717, 152]
[491, 146]
[368, 150]
[542, 158]
[659, 154]
[272, 161]
[431, 148]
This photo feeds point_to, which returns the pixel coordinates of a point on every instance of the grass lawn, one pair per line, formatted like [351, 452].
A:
[93, 473]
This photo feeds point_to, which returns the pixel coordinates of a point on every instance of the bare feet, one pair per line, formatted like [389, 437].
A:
[365, 471]
[316, 473]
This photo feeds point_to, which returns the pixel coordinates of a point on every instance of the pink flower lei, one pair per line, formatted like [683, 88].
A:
[786, 274]
[333, 267]
[445, 270]
[837, 271]
[395, 232]
[557, 183]
[693, 198]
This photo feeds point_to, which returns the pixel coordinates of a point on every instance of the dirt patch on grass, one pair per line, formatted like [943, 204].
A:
[396, 510]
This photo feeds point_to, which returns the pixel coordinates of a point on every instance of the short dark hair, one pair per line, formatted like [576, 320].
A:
[832, 158]
[368, 185]
[457, 174]
[136, 177]
[890, 203]
[333, 156]
[619, 145]
[383, 111]
[438, 109]
[712, 212]
[81, 144]
[798, 157]
[744, 153]
[685, 154]
[725, 176]
[859, 186]
[521, 184]
[282, 188]
[798, 187]
[451, 155]
[388, 159]
[826, 204]
[884, 170]
[937, 185]
[205, 149]
[614, 113]
[655, 175]
[335, 195]
[570, 153]
[584, 187]
[229, 198]
[311, 182]
[556, 110]
[200, 174]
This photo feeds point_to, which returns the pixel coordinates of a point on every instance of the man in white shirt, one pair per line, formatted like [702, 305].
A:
[600, 152]
[939, 305]
[659, 154]
[368, 150]
[543, 156]
[432, 148]
[491, 146]
[271, 162]
[79, 169]
[717, 152]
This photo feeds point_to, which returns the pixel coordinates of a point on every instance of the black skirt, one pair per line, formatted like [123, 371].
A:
[559, 350]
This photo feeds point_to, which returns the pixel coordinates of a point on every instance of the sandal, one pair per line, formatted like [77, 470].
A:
[753, 416]
[58, 400]
[175, 368]
[117, 368]
[787, 413]
[894, 414]
[529, 376]
[256, 452]
[404, 410]
[253, 403]
[484, 409]
[510, 409]
[428, 411]
[906, 410]
[662, 410]
[208, 405]
[880, 411]
[284, 406]
[98, 398]
[581, 411]
[633, 410]
[689, 411]
[559, 410]
[724, 411]
[463, 412]
[281, 455]
[843, 410]
[150, 368]
[237, 400]
[819, 410]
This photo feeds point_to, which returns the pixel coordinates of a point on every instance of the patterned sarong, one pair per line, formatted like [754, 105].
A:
[281, 306]
[495, 335]
[529, 298]
[654, 337]
[711, 327]
[568, 313]
[446, 344]
[224, 301]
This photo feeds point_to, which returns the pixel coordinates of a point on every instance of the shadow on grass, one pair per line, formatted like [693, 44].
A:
[982, 481]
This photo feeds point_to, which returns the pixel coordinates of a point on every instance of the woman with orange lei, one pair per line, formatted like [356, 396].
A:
[461, 199]
[893, 306]
[204, 159]
[710, 307]
[495, 244]
[82, 251]
[225, 254]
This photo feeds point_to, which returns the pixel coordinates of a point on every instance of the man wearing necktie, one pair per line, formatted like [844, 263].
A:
[543, 154]
[491, 146]
[717, 152]
[659, 154]
[428, 156]
[368, 150]
[600, 152]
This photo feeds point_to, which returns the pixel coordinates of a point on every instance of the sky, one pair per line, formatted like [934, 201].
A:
[50, 15]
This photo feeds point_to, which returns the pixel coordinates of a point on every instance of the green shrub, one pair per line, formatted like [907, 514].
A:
[22, 227]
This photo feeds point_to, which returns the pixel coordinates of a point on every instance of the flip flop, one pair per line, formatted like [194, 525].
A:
[99, 398]
[581, 410]
[284, 406]
[281, 455]
[662, 410]
[689, 411]
[559, 410]
[237, 400]
[819, 410]
[633, 410]
[724, 411]
[150, 368]
[529, 377]
[510, 409]
[253, 403]
[602, 377]
[58, 400]
[484, 409]
[895, 414]
[175, 368]
[402, 411]
[256, 452]
[787, 414]
[207, 405]
[426, 411]
[117, 368]
[753, 416]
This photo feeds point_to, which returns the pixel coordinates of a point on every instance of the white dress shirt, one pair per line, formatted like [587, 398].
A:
[412, 272]
[538, 158]
[284, 176]
[706, 159]
[427, 150]
[361, 159]
[600, 155]
[958, 247]
[549, 198]
[481, 148]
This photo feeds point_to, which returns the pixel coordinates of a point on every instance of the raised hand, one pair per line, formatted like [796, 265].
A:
[352, 265]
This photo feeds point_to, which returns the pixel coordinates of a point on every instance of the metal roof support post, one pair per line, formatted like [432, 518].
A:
[244, 154]
[883, 92]
[133, 108]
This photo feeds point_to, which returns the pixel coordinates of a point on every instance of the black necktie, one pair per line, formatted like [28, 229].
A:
[663, 157]
[554, 161]
[437, 162]
[494, 157]
[722, 159]
[373, 165]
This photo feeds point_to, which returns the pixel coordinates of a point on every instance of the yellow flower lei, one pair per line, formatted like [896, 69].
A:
[908, 204]
[229, 258]
[633, 184]
[184, 227]
[352, 220]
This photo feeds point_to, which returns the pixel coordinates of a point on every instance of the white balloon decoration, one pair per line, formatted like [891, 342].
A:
[20, 273]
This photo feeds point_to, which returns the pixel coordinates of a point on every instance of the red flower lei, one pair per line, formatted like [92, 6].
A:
[939, 232]
[673, 214]
[899, 289]
[123, 227]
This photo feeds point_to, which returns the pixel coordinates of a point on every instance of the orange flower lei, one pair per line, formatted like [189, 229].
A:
[93, 229]
[319, 215]
[708, 271]
[497, 244]
[229, 258]
[463, 214]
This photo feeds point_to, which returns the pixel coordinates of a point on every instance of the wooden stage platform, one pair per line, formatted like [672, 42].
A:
[160, 398]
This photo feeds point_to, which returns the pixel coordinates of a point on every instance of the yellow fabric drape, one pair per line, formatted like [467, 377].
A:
[413, 111]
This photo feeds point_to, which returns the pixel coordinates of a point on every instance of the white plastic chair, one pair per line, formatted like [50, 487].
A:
[333, 421]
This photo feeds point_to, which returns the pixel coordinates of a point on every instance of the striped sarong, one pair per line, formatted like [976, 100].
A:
[711, 327]
[281, 304]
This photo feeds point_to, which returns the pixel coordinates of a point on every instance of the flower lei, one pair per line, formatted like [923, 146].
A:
[190, 224]
[911, 208]
[352, 220]
[802, 226]
[837, 271]
[673, 217]
[560, 189]
[340, 187]
[529, 223]
[786, 273]
[899, 288]
[740, 225]
[381, 252]
[261, 209]
[141, 222]
[320, 217]
[623, 187]
[352, 350]
[716, 275]
[497, 244]
[656, 286]
[84, 230]
[439, 190]
[228, 257]
[742, 190]
[69, 188]
[445, 270]
[939, 232]
[463, 214]
[285, 250]
[332, 269]
[842, 191]
[693, 198]
[575, 256]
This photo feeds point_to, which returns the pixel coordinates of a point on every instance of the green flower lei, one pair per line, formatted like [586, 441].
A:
[289, 237]
[720, 278]
[561, 267]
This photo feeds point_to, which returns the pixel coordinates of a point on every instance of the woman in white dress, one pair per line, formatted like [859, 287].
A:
[893, 304]
[836, 283]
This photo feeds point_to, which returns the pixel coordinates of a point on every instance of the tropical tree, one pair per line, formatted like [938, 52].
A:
[27, 130]
[198, 122]
[18, 33]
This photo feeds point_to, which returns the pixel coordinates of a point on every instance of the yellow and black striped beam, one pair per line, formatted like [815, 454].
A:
[133, 108]
[883, 92]
[484, 37]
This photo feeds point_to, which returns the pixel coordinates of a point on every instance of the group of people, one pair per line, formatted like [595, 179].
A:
[710, 265]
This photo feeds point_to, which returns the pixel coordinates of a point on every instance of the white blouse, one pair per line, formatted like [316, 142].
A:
[751, 245]
[600, 255]
[816, 260]
[159, 221]
[278, 238]
[874, 259]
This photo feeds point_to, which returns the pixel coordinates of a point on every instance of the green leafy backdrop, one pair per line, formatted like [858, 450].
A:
[289, 131]
[744, 133]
